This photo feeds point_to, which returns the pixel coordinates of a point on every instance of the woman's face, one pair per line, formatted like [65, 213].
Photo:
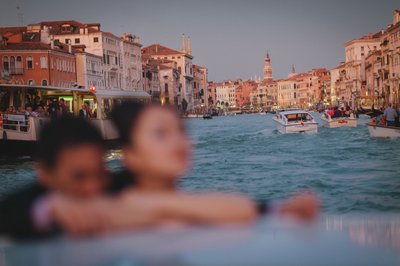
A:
[159, 145]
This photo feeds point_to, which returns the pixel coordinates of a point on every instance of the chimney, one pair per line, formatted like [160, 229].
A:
[45, 35]
[188, 44]
[52, 44]
[70, 48]
[183, 44]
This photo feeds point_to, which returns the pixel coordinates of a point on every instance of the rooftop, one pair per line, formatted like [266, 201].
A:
[157, 49]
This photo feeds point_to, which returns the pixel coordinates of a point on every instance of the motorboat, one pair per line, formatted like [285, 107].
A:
[207, 116]
[295, 121]
[193, 116]
[382, 131]
[334, 122]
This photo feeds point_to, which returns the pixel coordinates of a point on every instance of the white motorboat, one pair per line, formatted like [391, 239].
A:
[295, 121]
[334, 122]
[382, 131]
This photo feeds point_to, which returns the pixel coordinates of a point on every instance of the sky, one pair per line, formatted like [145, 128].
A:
[229, 37]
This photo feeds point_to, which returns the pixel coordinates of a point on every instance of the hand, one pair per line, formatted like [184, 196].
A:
[78, 217]
[303, 207]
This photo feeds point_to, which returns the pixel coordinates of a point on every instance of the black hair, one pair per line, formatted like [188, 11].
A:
[63, 133]
[125, 117]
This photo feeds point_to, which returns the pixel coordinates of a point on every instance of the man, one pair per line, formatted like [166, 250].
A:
[37, 102]
[63, 107]
[390, 116]
[70, 163]
[53, 109]
[84, 113]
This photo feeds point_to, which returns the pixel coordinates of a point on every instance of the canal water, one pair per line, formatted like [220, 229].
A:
[348, 170]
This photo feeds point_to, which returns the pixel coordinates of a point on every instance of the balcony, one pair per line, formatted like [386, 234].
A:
[15, 71]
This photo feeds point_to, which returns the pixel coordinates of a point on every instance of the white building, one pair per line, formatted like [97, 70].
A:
[225, 95]
[132, 62]
[89, 70]
[97, 42]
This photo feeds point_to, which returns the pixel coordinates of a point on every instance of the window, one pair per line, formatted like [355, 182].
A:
[67, 41]
[31, 82]
[96, 39]
[29, 62]
[6, 63]
[19, 62]
[12, 63]
[77, 40]
[43, 62]
[166, 87]
[44, 82]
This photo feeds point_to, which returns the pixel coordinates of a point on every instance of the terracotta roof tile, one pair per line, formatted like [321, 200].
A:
[33, 46]
[157, 49]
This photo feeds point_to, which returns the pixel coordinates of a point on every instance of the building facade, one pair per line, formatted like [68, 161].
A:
[184, 64]
[117, 53]
[131, 57]
[89, 70]
[36, 63]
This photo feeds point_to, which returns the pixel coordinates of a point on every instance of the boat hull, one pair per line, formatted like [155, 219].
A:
[22, 140]
[377, 131]
[339, 122]
[296, 127]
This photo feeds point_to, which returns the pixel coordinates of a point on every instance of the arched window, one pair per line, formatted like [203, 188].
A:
[18, 63]
[12, 63]
[6, 63]
[29, 62]
[31, 82]
[44, 82]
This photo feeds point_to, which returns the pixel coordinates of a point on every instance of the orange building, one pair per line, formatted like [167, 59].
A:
[36, 63]
[249, 87]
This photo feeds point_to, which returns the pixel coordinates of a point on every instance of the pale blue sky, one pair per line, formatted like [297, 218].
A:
[230, 37]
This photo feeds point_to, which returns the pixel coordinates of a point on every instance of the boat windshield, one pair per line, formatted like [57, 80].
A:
[299, 117]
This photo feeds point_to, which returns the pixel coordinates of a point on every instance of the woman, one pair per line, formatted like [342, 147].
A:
[156, 154]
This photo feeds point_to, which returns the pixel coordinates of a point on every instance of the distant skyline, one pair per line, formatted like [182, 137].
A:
[230, 37]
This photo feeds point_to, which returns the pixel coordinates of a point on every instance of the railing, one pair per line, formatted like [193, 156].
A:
[15, 122]
[16, 71]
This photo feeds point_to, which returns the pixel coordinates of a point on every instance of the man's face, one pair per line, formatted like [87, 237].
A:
[80, 171]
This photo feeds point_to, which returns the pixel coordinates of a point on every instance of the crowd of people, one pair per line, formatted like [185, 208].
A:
[51, 108]
[339, 112]
[76, 194]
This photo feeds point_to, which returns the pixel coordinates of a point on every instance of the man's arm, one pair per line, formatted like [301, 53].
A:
[205, 208]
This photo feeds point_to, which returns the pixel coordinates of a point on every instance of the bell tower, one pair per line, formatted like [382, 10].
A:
[267, 69]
